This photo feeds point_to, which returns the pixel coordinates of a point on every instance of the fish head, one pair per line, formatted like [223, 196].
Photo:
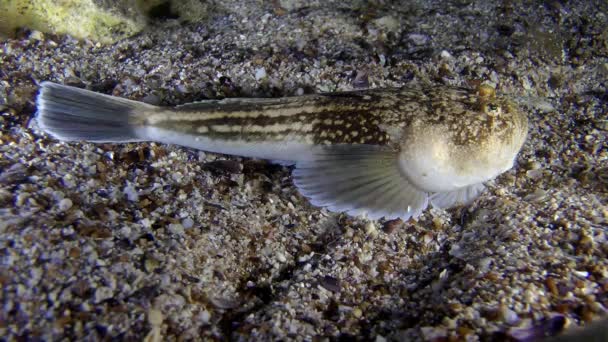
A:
[466, 141]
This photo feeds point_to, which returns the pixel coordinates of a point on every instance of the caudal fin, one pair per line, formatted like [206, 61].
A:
[69, 113]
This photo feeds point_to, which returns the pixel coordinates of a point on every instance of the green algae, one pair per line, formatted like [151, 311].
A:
[102, 21]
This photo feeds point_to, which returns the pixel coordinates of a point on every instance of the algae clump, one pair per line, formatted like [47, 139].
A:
[104, 21]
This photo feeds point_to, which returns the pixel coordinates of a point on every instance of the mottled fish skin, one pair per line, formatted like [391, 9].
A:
[356, 117]
[327, 119]
[379, 152]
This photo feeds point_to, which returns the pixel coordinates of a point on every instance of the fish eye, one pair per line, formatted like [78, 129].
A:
[493, 109]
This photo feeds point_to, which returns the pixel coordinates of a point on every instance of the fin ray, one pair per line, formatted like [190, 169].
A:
[359, 179]
[70, 113]
[461, 196]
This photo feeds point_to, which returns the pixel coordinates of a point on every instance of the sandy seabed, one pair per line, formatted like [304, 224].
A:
[149, 240]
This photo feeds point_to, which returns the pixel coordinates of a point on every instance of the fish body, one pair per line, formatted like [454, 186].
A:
[376, 152]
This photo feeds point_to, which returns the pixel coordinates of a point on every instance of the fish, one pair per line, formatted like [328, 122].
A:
[376, 153]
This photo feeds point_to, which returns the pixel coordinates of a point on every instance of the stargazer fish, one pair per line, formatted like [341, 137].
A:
[377, 152]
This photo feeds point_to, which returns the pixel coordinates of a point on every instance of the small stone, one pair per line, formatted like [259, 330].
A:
[187, 223]
[445, 55]
[418, 39]
[65, 204]
[224, 303]
[552, 286]
[603, 69]
[204, 317]
[68, 181]
[484, 264]
[370, 229]
[177, 177]
[382, 59]
[131, 193]
[534, 174]
[260, 73]
[388, 23]
[36, 35]
[538, 196]
[151, 264]
[392, 225]
[14, 174]
[152, 99]
[125, 231]
[281, 257]
[155, 317]
[103, 293]
[176, 228]
[509, 316]
[361, 80]
[433, 333]
[330, 283]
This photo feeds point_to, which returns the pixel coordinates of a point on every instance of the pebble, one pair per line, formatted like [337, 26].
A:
[155, 317]
[152, 99]
[131, 193]
[391, 226]
[176, 228]
[260, 73]
[65, 204]
[14, 174]
[445, 55]
[539, 195]
[388, 23]
[68, 181]
[418, 39]
[510, 316]
[36, 35]
[187, 223]
[370, 229]
[330, 283]
[204, 317]
[281, 257]
[102, 293]
[534, 174]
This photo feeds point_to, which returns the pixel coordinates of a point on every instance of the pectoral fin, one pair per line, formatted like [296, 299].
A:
[458, 197]
[359, 180]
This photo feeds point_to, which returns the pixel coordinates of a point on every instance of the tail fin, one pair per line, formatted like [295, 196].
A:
[69, 113]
